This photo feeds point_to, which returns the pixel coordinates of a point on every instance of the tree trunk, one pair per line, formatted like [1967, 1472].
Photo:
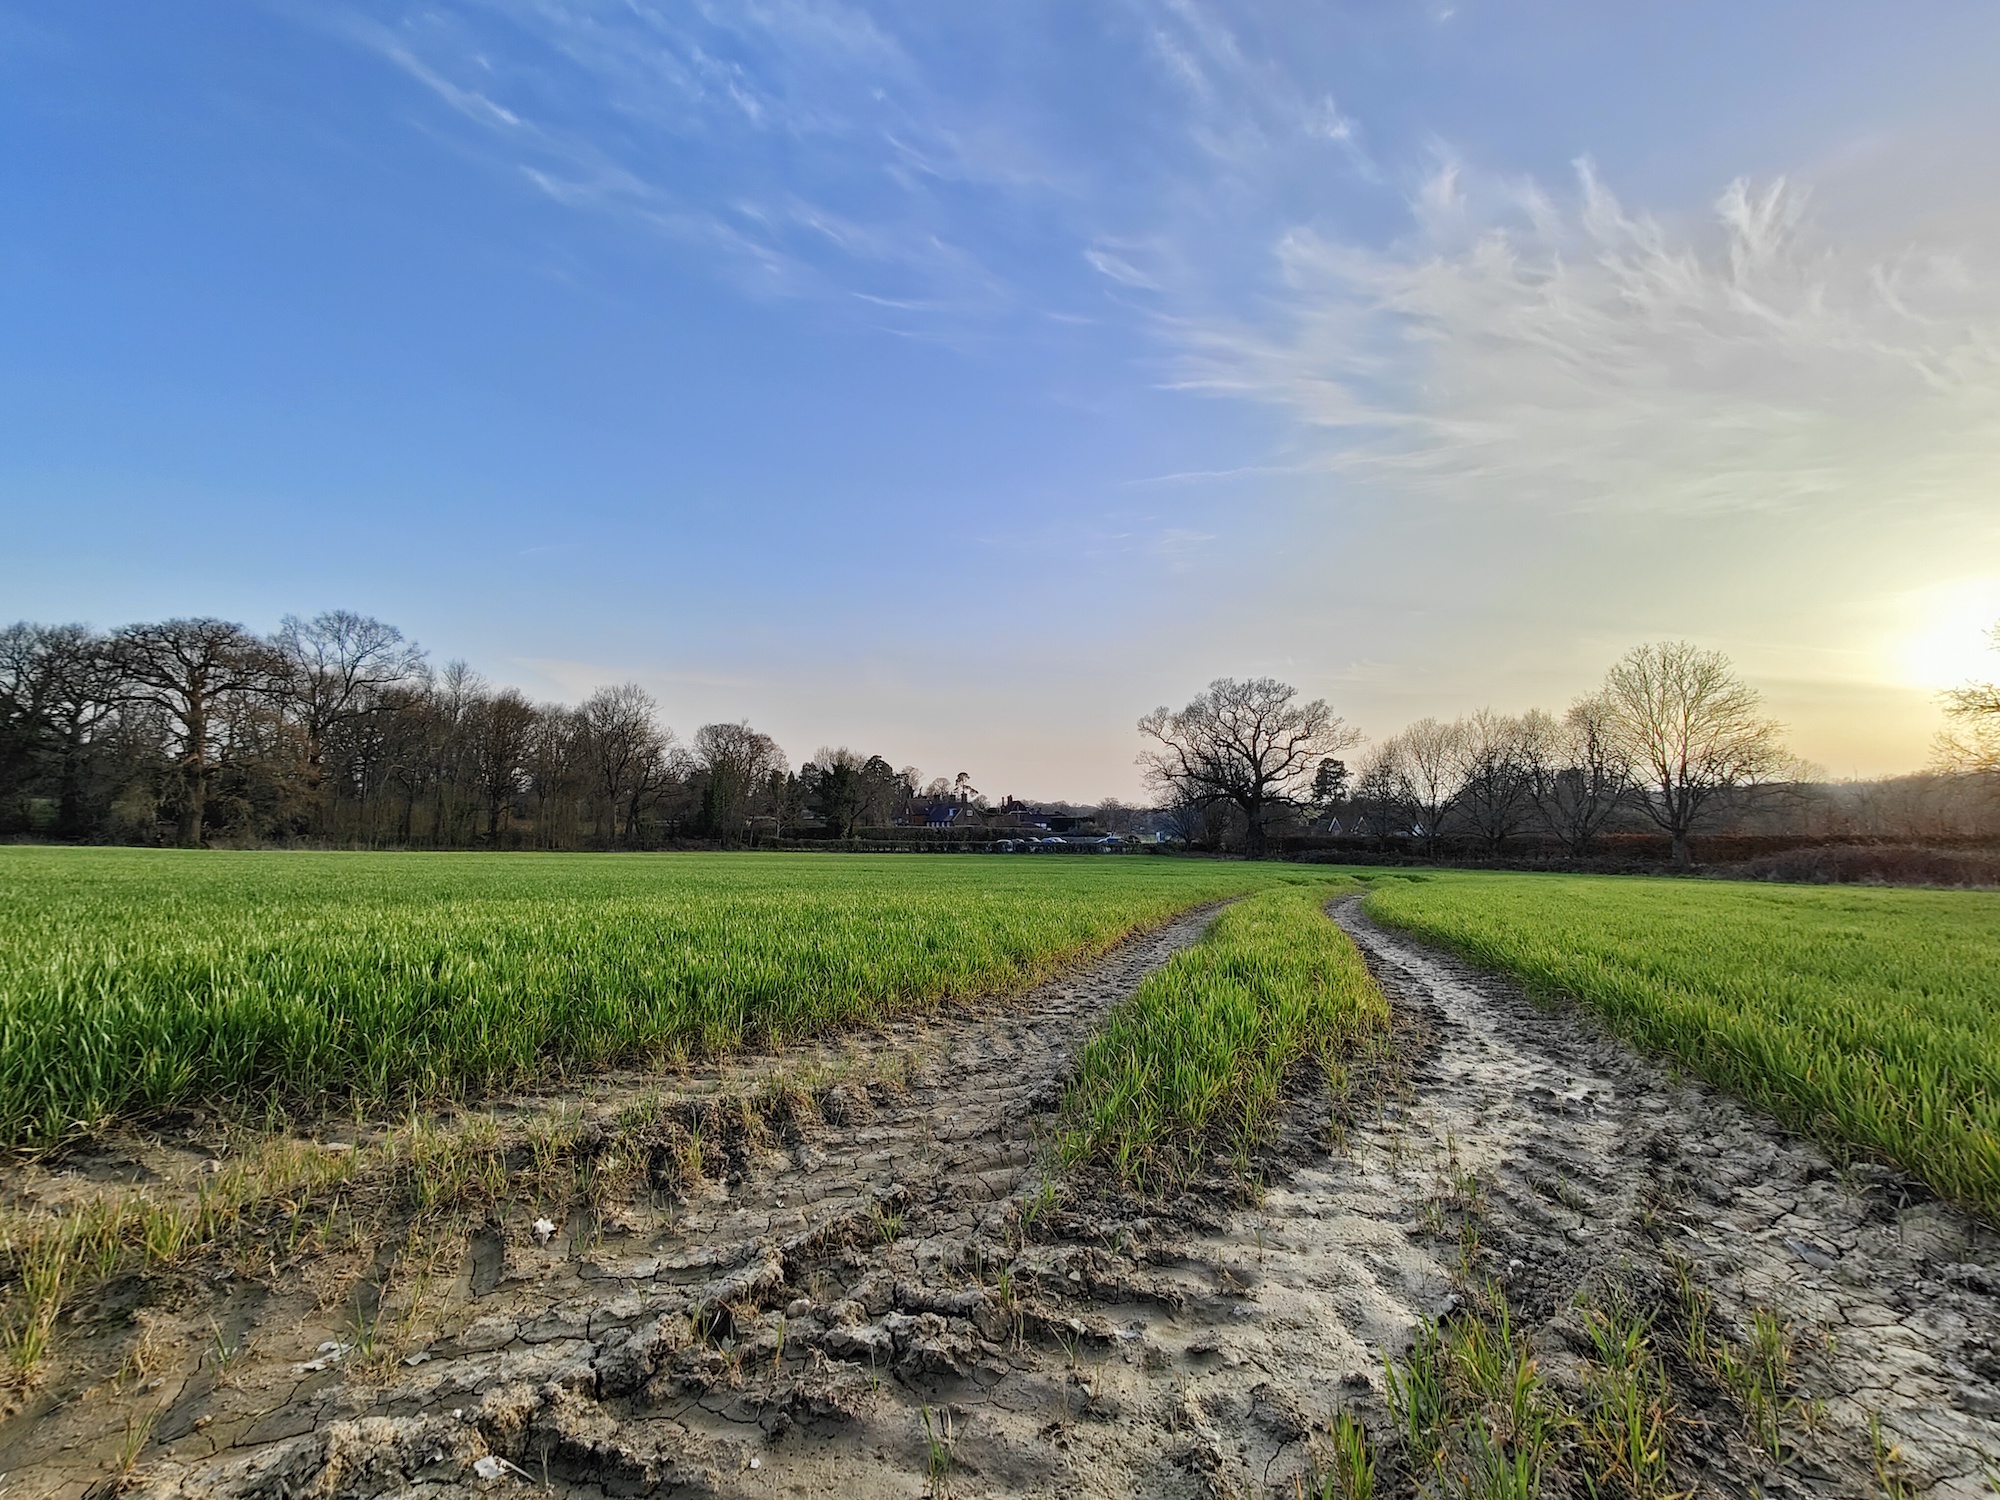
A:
[195, 774]
[1683, 854]
[1254, 841]
[69, 800]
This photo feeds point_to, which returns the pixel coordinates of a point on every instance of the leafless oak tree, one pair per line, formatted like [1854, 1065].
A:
[1692, 731]
[186, 669]
[1249, 744]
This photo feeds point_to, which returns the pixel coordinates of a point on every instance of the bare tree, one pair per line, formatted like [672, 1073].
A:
[1692, 731]
[186, 669]
[450, 711]
[1494, 777]
[1248, 744]
[502, 728]
[554, 764]
[1378, 793]
[337, 666]
[737, 763]
[1579, 777]
[1190, 820]
[1429, 759]
[628, 751]
[1971, 740]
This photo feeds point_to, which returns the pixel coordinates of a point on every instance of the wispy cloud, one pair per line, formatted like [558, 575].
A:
[793, 139]
[1566, 353]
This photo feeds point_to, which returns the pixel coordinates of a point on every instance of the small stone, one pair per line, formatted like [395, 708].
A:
[799, 1307]
[756, 1463]
[488, 1467]
[422, 1356]
[544, 1231]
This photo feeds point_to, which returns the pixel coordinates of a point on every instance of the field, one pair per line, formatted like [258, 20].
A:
[1870, 1018]
[138, 981]
[631, 1173]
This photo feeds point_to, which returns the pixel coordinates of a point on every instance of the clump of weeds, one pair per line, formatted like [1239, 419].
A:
[1472, 1413]
[1755, 1371]
[938, 1440]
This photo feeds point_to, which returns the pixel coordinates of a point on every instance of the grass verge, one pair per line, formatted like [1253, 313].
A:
[1870, 1018]
[1199, 1052]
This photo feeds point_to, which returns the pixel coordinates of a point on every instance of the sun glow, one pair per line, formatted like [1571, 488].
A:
[1950, 637]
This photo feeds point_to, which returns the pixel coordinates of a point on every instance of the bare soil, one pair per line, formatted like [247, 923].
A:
[874, 1292]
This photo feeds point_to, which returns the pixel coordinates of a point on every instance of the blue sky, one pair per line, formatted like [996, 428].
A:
[960, 382]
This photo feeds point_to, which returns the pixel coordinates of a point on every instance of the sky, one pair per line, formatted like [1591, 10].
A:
[959, 383]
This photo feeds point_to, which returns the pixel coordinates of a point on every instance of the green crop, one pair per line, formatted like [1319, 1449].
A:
[135, 981]
[1868, 1017]
[1201, 1049]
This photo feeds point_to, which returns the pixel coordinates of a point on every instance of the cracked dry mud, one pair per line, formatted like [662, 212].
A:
[889, 1304]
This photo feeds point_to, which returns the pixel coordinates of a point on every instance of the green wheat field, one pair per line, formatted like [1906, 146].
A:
[137, 981]
[134, 983]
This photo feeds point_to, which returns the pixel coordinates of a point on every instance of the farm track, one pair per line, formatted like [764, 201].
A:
[1599, 1163]
[886, 1305]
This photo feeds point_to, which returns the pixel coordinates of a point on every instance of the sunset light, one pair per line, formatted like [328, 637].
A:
[1952, 642]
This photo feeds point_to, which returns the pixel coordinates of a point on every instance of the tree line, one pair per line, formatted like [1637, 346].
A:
[338, 729]
[1670, 738]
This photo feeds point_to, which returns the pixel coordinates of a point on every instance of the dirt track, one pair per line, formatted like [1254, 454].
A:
[887, 1303]
[1597, 1160]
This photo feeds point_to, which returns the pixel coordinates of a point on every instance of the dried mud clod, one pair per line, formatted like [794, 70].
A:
[847, 1274]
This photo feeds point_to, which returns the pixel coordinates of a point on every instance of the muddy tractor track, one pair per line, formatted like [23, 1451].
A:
[889, 1300]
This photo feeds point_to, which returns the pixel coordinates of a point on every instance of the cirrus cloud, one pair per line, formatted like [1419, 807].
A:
[1570, 355]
